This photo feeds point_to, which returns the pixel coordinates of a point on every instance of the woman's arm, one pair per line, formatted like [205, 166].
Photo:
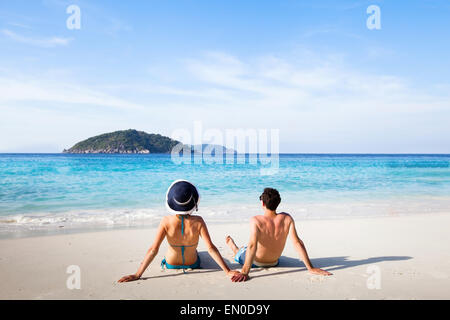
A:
[151, 253]
[212, 250]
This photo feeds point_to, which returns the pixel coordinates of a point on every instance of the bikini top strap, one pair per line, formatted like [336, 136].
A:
[182, 225]
[182, 247]
[182, 217]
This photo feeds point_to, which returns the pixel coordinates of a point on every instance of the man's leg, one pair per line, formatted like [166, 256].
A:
[231, 244]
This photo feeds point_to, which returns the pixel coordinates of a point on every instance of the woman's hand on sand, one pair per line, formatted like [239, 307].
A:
[240, 277]
[131, 277]
[232, 273]
[319, 272]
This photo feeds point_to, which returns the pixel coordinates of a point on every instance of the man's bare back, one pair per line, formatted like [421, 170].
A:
[273, 232]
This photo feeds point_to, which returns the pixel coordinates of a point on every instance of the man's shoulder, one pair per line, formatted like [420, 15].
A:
[285, 217]
[262, 217]
[284, 214]
[256, 218]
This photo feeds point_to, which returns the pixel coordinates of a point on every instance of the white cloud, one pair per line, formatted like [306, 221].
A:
[319, 104]
[40, 42]
[42, 90]
[19, 25]
[273, 81]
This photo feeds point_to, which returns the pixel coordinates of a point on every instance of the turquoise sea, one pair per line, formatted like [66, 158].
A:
[64, 191]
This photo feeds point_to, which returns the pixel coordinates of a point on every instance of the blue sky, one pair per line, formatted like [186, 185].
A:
[311, 69]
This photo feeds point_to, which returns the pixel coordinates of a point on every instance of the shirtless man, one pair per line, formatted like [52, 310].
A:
[268, 238]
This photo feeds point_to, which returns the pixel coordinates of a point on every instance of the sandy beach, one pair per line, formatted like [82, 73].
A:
[411, 255]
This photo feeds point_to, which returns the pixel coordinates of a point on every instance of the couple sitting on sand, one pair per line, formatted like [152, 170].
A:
[268, 236]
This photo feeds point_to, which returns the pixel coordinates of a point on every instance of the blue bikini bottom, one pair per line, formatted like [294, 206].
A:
[196, 265]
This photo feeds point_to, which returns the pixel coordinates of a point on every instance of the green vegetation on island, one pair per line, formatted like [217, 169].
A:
[132, 141]
[125, 141]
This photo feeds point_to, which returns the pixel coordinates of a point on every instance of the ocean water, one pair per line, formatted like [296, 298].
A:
[44, 192]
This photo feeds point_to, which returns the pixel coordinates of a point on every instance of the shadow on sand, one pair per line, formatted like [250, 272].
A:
[330, 264]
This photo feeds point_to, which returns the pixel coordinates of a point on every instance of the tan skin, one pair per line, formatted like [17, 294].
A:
[170, 228]
[268, 237]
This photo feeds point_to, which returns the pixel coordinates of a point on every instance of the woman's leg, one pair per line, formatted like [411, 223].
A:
[231, 244]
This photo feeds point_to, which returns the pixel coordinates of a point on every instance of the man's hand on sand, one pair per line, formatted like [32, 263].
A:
[240, 277]
[320, 272]
[131, 277]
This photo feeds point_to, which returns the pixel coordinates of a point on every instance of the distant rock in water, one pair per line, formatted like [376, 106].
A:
[212, 149]
[125, 141]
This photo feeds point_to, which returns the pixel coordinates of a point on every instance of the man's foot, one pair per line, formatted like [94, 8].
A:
[231, 244]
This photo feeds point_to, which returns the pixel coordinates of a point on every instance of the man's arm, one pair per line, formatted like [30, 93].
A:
[212, 250]
[249, 254]
[151, 253]
[301, 249]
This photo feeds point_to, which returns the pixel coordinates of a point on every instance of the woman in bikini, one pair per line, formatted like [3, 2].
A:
[182, 231]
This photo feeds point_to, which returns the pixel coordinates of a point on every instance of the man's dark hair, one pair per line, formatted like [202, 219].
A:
[271, 198]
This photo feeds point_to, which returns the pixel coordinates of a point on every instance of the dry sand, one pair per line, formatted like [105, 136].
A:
[411, 253]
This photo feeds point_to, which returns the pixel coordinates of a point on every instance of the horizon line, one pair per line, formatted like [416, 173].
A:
[237, 153]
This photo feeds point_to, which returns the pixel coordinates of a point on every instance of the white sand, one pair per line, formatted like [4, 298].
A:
[412, 254]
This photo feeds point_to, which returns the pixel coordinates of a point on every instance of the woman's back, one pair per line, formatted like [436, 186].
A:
[182, 231]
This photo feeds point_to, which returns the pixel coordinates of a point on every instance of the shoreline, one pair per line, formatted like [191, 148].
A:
[56, 231]
[80, 221]
[411, 252]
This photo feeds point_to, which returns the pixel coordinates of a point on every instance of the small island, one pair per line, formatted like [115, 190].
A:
[125, 141]
[132, 141]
